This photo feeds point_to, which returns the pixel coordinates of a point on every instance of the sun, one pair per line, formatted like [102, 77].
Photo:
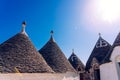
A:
[101, 16]
[109, 10]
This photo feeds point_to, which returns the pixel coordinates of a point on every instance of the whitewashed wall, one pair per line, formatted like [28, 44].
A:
[115, 53]
[111, 70]
[108, 72]
[39, 76]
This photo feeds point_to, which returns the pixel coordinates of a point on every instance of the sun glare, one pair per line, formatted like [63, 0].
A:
[102, 15]
[109, 9]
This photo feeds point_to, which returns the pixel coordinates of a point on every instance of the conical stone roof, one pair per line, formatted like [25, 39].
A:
[76, 62]
[99, 52]
[55, 57]
[117, 40]
[116, 43]
[18, 53]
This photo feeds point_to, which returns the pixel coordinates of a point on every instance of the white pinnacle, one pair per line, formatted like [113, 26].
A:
[23, 28]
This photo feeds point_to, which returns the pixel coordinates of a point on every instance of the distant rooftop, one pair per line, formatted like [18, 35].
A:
[76, 62]
[116, 43]
[99, 52]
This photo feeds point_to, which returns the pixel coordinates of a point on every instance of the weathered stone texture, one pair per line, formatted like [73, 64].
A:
[55, 57]
[18, 53]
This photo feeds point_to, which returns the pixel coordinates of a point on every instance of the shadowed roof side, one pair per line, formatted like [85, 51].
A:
[99, 52]
[116, 43]
[76, 62]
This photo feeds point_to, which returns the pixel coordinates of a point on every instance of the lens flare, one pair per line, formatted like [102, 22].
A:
[102, 16]
[109, 9]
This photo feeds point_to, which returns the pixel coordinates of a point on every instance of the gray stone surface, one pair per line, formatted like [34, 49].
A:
[76, 62]
[55, 57]
[19, 55]
[116, 43]
[100, 51]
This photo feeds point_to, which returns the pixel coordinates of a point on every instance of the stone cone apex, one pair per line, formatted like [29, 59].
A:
[55, 57]
[19, 55]
[76, 62]
[117, 40]
[51, 38]
[99, 52]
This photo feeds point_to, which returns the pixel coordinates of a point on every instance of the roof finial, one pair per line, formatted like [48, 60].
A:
[23, 26]
[51, 39]
[99, 34]
[51, 32]
[72, 50]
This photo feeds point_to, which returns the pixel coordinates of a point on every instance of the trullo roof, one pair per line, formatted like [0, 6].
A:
[116, 43]
[99, 52]
[18, 54]
[55, 57]
[76, 62]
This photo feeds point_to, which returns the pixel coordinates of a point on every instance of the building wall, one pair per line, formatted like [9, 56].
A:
[111, 70]
[39, 76]
[108, 72]
[115, 58]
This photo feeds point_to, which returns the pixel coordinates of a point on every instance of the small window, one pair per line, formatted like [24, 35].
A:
[79, 69]
[119, 64]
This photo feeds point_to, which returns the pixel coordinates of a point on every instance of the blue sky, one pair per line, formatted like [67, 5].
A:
[72, 21]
